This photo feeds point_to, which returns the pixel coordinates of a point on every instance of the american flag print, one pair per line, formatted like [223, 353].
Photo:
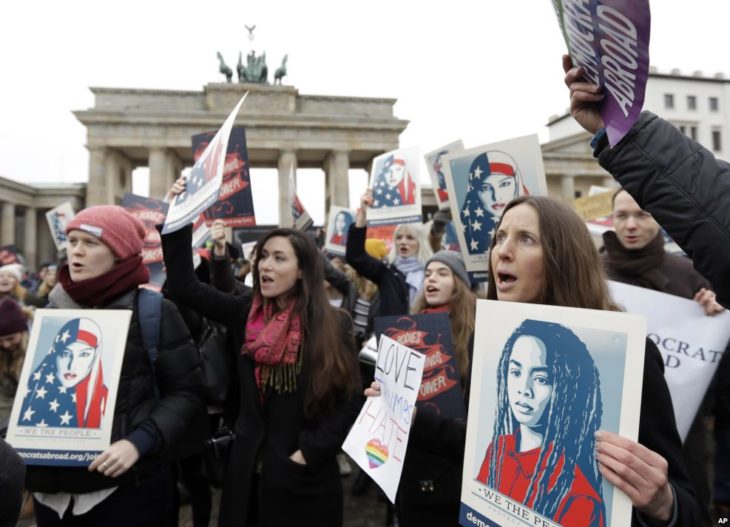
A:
[478, 215]
[67, 389]
[393, 186]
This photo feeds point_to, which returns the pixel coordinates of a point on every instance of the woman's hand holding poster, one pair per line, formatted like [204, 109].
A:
[64, 407]
[544, 380]
[481, 181]
[610, 41]
[378, 439]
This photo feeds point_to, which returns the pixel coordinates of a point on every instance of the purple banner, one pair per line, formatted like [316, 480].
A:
[235, 200]
[609, 39]
[150, 212]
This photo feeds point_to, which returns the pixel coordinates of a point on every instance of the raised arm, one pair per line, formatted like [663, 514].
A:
[675, 178]
[355, 253]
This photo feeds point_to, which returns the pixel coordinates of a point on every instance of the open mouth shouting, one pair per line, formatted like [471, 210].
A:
[504, 280]
[431, 291]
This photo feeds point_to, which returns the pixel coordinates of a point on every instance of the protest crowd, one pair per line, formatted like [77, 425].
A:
[245, 372]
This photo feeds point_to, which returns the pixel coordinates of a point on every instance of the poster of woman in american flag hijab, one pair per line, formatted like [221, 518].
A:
[394, 182]
[63, 410]
[481, 182]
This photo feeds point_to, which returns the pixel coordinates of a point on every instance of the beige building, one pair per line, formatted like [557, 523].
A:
[129, 128]
[23, 217]
[132, 128]
[698, 104]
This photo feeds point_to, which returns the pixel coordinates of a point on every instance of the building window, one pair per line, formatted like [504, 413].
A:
[668, 101]
[691, 102]
[716, 140]
[693, 132]
[714, 104]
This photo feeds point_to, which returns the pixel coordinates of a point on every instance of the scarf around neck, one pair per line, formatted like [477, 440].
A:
[125, 275]
[443, 308]
[273, 341]
[640, 265]
[414, 272]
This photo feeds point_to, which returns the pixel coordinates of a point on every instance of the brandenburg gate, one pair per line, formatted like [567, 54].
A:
[130, 128]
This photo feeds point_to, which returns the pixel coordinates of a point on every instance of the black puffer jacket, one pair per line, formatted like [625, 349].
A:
[392, 287]
[684, 187]
[172, 418]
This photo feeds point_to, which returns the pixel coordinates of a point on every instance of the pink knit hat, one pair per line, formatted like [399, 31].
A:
[113, 225]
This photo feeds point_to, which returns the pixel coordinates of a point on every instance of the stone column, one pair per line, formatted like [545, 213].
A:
[287, 161]
[159, 173]
[30, 237]
[45, 247]
[337, 184]
[174, 169]
[96, 188]
[7, 224]
[112, 169]
[567, 185]
[126, 176]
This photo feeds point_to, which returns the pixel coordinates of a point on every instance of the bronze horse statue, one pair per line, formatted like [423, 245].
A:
[223, 68]
[281, 70]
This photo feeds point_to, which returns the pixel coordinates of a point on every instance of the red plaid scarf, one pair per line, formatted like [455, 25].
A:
[273, 341]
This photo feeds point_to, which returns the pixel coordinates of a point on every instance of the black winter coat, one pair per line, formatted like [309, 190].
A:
[430, 487]
[683, 186]
[268, 431]
[392, 287]
[172, 417]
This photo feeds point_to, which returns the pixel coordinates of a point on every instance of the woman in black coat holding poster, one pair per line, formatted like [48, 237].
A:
[401, 278]
[297, 377]
[131, 482]
[543, 253]
[430, 486]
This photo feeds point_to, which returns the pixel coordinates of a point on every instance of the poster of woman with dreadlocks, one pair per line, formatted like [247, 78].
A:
[62, 414]
[394, 183]
[562, 374]
[480, 182]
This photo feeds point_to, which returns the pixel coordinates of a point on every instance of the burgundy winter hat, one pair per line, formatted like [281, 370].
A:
[12, 319]
[113, 225]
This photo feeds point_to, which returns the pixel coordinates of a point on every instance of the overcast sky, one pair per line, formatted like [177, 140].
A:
[481, 71]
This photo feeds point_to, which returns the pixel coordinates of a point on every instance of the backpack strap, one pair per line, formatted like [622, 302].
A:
[149, 315]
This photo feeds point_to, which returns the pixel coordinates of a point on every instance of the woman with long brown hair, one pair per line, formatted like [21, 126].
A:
[430, 487]
[297, 376]
[542, 253]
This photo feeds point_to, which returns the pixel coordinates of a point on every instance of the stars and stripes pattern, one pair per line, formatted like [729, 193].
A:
[204, 170]
[438, 167]
[478, 224]
[195, 180]
[385, 195]
[47, 402]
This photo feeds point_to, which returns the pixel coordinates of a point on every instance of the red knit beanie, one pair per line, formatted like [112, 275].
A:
[113, 225]
[12, 318]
